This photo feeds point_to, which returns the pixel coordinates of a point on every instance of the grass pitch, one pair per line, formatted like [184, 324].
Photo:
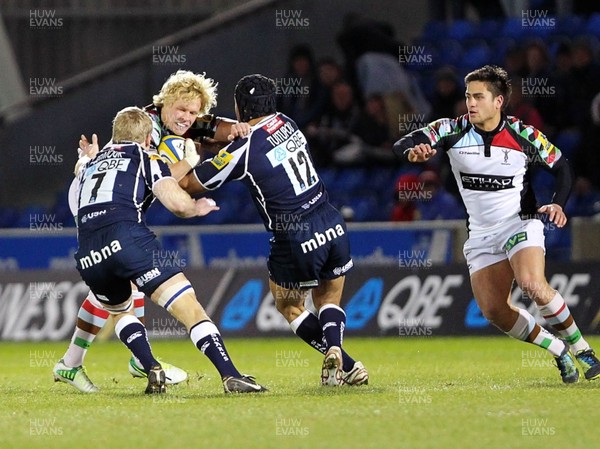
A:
[455, 393]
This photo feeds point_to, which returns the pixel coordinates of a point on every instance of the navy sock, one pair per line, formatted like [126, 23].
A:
[207, 339]
[333, 321]
[310, 330]
[133, 335]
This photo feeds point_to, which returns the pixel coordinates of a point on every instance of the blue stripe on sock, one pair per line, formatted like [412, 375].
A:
[176, 295]
[89, 318]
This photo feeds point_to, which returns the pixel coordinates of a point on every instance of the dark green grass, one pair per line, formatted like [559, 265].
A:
[424, 393]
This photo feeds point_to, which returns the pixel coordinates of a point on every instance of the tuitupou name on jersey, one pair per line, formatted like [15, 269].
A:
[281, 135]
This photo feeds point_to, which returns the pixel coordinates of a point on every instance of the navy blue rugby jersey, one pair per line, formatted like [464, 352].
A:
[274, 162]
[117, 185]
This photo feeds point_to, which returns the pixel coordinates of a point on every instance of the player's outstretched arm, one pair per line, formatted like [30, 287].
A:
[191, 184]
[179, 202]
[229, 130]
[414, 147]
[420, 153]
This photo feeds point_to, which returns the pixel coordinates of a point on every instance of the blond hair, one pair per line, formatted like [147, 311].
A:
[187, 86]
[131, 125]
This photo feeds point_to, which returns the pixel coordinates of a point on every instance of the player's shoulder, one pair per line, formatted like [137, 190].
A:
[447, 126]
[523, 129]
[157, 124]
[153, 155]
[128, 149]
[516, 122]
[151, 110]
[273, 123]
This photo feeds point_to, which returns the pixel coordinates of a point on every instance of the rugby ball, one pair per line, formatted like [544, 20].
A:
[172, 148]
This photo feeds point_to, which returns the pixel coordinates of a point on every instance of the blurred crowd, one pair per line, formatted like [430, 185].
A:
[353, 110]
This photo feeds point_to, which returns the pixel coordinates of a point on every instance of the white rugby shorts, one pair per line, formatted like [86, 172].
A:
[502, 243]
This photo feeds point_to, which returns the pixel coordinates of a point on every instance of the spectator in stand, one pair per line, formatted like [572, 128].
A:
[522, 108]
[537, 60]
[561, 72]
[333, 130]
[583, 84]
[540, 86]
[372, 139]
[300, 94]
[447, 93]
[371, 52]
[330, 74]
[405, 192]
[563, 60]
[436, 203]
[586, 159]
[360, 35]
[515, 61]
[373, 125]
[584, 201]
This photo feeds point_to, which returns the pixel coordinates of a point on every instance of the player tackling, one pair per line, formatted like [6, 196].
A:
[180, 108]
[115, 247]
[491, 155]
[309, 244]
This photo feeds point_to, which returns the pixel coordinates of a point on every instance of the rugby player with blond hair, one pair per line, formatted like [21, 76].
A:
[181, 108]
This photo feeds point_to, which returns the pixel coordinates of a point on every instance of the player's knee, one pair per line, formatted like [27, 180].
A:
[495, 312]
[288, 307]
[282, 306]
[533, 286]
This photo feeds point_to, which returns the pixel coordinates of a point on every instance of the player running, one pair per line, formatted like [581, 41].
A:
[491, 155]
[116, 247]
[309, 244]
[181, 108]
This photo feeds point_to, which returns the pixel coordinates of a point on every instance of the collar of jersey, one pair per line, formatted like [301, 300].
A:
[494, 131]
[268, 117]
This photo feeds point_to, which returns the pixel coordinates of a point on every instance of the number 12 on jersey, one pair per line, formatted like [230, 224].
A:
[293, 156]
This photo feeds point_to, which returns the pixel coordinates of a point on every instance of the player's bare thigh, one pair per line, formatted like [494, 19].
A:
[492, 287]
[186, 308]
[528, 265]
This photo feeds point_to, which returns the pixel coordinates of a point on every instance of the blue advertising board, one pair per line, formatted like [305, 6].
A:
[238, 246]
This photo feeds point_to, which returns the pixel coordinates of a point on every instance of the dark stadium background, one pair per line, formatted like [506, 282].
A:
[68, 66]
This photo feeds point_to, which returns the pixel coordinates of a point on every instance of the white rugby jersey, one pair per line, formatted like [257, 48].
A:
[492, 169]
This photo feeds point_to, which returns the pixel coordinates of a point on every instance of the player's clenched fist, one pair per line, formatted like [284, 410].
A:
[421, 153]
[240, 129]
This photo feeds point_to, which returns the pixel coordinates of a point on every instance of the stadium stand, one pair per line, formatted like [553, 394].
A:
[462, 44]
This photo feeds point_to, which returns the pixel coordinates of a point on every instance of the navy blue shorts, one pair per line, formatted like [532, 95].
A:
[110, 257]
[313, 248]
